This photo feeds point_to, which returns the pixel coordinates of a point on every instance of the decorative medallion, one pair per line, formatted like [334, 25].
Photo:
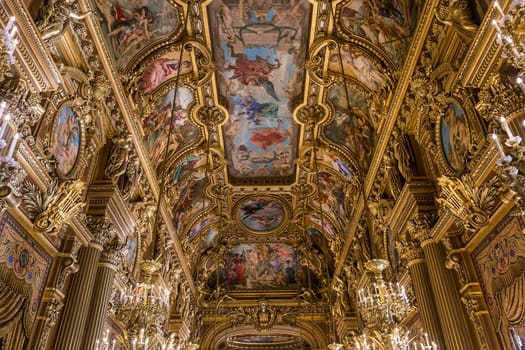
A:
[261, 214]
[454, 135]
[66, 139]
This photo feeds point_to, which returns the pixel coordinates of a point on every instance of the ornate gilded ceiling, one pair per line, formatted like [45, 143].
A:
[260, 119]
[259, 123]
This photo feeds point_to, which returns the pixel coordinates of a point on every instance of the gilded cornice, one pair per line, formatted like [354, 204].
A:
[427, 18]
[485, 51]
[34, 63]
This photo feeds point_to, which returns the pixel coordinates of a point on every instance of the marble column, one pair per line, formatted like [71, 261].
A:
[76, 309]
[101, 295]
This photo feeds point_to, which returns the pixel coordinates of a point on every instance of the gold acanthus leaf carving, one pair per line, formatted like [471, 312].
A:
[60, 203]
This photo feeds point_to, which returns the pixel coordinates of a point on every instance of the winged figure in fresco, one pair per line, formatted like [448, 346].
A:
[253, 72]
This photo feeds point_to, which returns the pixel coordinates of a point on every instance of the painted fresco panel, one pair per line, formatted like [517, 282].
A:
[65, 143]
[332, 198]
[189, 199]
[261, 214]
[455, 136]
[131, 25]
[163, 68]
[261, 265]
[27, 260]
[352, 127]
[359, 67]
[259, 49]
[387, 24]
[156, 125]
[500, 263]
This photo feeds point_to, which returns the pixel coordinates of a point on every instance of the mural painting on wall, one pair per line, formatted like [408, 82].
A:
[359, 67]
[261, 265]
[352, 126]
[21, 255]
[387, 24]
[261, 214]
[65, 141]
[156, 125]
[455, 136]
[130, 25]
[163, 68]
[500, 262]
[131, 245]
[259, 53]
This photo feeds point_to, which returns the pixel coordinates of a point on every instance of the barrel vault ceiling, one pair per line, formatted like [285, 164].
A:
[262, 123]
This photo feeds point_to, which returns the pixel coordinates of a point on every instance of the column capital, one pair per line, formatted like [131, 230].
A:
[102, 230]
[410, 250]
[420, 227]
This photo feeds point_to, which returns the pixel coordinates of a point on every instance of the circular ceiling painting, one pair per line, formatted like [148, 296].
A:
[261, 213]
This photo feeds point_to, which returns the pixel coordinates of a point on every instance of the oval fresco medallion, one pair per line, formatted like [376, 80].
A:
[455, 136]
[66, 139]
[261, 214]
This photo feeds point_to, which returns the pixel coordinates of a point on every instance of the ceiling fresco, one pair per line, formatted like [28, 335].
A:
[156, 125]
[386, 24]
[263, 199]
[260, 53]
[133, 25]
[261, 214]
[353, 126]
[261, 265]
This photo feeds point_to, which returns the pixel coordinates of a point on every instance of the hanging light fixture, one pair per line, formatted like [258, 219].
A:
[383, 305]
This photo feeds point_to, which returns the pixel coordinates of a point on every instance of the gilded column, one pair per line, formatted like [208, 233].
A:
[411, 252]
[454, 322]
[101, 294]
[76, 310]
[75, 314]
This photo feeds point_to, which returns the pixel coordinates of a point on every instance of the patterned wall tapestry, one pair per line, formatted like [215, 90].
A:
[23, 258]
[500, 262]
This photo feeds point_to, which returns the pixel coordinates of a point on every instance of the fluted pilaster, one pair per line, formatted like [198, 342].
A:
[101, 295]
[426, 304]
[451, 312]
[76, 309]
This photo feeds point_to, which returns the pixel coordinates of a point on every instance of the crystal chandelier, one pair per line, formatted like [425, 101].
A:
[385, 303]
[144, 309]
[382, 307]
